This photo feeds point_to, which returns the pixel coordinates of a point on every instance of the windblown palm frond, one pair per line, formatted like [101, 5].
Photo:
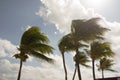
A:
[88, 29]
[41, 56]
[41, 47]
[105, 64]
[33, 35]
[35, 43]
[66, 43]
[99, 49]
[82, 59]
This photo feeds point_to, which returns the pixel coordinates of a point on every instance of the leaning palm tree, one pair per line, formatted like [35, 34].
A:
[86, 30]
[81, 59]
[65, 45]
[98, 50]
[33, 43]
[105, 64]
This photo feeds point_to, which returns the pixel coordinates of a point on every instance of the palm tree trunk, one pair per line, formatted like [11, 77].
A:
[93, 68]
[77, 64]
[102, 74]
[79, 74]
[74, 73]
[19, 74]
[65, 69]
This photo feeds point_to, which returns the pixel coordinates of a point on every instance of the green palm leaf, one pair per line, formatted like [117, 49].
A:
[106, 64]
[66, 43]
[41, 47]
[35, 43]
[99, 49]
[41, 56]
[82, 59]
[33, 35]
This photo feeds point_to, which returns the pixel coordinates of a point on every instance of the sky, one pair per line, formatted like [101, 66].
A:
[54, 18]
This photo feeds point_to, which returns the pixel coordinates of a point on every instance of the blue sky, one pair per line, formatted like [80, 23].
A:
[54, 19]
[17, 15]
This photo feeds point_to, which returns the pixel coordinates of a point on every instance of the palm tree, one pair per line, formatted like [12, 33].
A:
[74, 72]
[86, 30]
[65, 45]
[98, 50]
[68, 44]
[81, 59]
[105, 64]
[33, 43]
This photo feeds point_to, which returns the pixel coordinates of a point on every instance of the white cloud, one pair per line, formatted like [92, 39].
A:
[7, 48]
[113, 37]
[61, 12]
[25, 28]
[55, 33]
[9, 71]
[28, 27]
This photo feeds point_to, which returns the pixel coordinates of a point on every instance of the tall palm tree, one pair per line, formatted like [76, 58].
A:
[105, 64]
[33, 43]
[65, 45]
[81, 59]
[86, 30]
[97, 50]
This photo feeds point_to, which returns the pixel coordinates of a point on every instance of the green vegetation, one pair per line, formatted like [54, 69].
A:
[33, 43]
[84, 32]
[81, 59]
[98, 50]
[86, 39]
[105, 64]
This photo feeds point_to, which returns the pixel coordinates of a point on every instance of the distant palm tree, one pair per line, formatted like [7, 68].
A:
[35, 43]
[86, 30]
[105, 64]
[98, 50]
[81, 59]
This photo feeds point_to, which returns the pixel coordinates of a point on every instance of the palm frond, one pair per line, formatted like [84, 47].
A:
[87, 29]
[88, 66]
[34, 42]
[41, 47]
[66, 43]
[99, 49]
[41, 56]
[32, 35]
[82, 45]
[111, 70]
[81, 58]
[105, 64]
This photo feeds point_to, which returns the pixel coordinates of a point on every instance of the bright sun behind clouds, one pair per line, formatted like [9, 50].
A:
[96, 3]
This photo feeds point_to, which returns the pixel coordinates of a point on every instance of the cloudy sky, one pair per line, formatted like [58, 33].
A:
[54, 18]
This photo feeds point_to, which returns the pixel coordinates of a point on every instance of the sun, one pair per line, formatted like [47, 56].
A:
[96, 3]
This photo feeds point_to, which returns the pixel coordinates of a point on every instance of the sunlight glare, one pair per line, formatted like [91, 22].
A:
[96, 3]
